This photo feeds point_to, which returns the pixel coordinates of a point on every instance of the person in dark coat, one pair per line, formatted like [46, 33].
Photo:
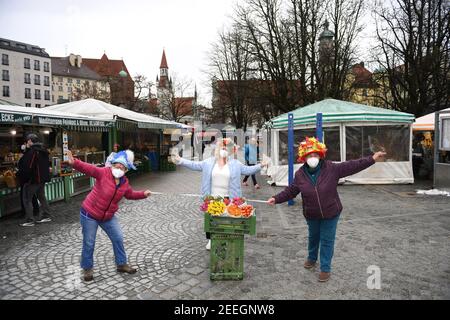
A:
[35, 172]
[22, 180]
[317, 181]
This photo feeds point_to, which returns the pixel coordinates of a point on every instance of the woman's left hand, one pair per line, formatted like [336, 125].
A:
[147, 193]
[379, 156]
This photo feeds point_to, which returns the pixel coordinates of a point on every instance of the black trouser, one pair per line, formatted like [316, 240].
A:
[31, 190]
[253, 176]
[34, 201]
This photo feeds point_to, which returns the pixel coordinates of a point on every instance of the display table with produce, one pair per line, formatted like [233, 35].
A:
[228, 221]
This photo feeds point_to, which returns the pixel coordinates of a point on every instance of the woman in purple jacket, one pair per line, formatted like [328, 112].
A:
[317, 181]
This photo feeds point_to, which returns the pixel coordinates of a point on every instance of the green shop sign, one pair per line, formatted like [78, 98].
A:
[15, 118]
[73, 122]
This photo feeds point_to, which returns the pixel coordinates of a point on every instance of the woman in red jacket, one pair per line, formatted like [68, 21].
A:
[317, 180]
[100, 206]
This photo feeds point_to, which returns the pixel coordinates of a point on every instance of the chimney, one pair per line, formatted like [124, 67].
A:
[79, 60]
[361, 64]
[72, 59]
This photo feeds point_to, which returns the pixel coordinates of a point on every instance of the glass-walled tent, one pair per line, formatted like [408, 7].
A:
[350, 131]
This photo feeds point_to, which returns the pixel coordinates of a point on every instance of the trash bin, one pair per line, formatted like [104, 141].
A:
[227, 245]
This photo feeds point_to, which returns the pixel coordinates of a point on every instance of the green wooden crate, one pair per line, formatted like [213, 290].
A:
[227, 256]
[229, 225]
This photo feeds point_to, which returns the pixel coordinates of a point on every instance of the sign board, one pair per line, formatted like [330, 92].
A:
[15, 118]
[65, 168]
[445, 134]
[72, 122]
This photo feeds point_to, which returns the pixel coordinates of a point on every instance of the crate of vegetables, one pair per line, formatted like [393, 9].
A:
[228, 216]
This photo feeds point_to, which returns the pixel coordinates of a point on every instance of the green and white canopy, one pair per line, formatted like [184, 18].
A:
[339, 111]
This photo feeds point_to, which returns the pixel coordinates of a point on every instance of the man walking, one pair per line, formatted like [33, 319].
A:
[34, 166]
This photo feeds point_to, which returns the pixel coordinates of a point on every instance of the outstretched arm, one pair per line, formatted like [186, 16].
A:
[83, 167]
[193, 165]
[350, 167]
[290, 192]
[136, 195]
[250, 170]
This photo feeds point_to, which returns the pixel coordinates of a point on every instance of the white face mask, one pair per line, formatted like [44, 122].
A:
[117, 173]
[223, 153]
[23, 147]
[312, 162]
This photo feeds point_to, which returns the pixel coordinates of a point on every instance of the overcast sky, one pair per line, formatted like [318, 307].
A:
[136, 31]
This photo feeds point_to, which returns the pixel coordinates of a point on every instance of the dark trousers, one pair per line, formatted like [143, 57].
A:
[34, 202]
[29, 191]
[253, 176]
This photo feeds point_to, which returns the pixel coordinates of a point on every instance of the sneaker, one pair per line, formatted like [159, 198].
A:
[44, 219]
[125, 268]
[245, 184]
[208, 245]
[28, 223]
[257, 186]
[324, 276]
[88, 274]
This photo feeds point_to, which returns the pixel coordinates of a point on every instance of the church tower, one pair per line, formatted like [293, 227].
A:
[164, 83]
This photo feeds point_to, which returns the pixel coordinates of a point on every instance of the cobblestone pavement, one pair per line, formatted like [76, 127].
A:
[407, 236]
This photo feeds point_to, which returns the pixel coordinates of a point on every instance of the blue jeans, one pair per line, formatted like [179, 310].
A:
[322, 233]
[89, 228]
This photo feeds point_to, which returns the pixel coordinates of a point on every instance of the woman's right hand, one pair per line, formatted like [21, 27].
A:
[70, 158]
[271, 201]
[176, 158]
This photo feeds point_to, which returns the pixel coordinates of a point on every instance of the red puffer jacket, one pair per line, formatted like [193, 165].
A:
[103, 200]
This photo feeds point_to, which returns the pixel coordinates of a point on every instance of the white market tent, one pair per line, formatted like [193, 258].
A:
[426, 122]
[97, 108]
[45, 112]
[350, 131]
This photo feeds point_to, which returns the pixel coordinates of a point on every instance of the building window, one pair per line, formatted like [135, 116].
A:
[26, 63]
[60, 88]
[5, 75]
[364, 93]
[5, 91]
[27, 78]
[37, 79]
[53, 98]
[78, 81]
[27, 93]
[38, 105]
[47, 81]
[69, 80]
[5, 59]
[37, 94]
[46, 67]
[37, 65]
[69, 89]
[60, 98]
[28, 105]
[47, 94]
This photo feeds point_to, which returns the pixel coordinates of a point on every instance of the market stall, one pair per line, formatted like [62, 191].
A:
[441, 178]
[15, 123]
[350, 131]
[139, 132]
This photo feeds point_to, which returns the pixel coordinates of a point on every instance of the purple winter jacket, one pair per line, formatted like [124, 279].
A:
[322, 200]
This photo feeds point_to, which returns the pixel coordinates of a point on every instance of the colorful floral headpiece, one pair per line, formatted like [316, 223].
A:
[311, 145]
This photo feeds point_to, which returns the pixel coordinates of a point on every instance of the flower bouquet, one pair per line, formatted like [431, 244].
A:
[235, 208]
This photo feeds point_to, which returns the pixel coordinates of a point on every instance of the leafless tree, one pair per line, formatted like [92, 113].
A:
[142, 93]
[174, 104]
[413, 52]
[92, 89]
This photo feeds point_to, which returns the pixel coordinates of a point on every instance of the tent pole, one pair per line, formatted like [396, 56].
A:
[291, 151]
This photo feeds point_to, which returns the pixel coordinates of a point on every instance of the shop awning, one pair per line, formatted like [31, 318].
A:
[43, 116]
[426, 122]
[339, 111]
[97, 108]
